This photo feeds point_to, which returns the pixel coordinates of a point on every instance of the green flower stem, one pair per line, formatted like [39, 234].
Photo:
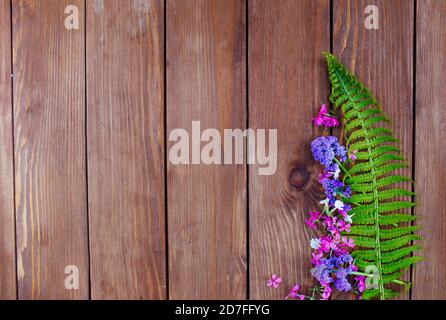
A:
[344, 170]
[356, 273]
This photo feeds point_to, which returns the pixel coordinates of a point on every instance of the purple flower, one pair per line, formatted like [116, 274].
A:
[347, 192]
[341, 273]
[323, 152]
[318, 270]
[325, 149]
[342, 284]
[346, 258]
[332, 187]
[325, 277]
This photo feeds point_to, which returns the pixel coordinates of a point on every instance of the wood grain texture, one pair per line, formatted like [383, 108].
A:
[383, 60]
[125, 135]
[7, 222]
[287, 83]
[429, 277]
[49, 124]
[206, 57]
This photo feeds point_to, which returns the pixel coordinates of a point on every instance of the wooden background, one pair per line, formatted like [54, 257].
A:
[84, 116]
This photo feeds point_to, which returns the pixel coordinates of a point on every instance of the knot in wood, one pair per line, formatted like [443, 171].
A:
[298, 176]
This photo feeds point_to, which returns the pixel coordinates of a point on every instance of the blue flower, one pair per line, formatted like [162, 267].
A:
[342, 284]
[325, 149]
[331, 187]
[346, 258]
[341, 273]
[347, 192]
[325, 277]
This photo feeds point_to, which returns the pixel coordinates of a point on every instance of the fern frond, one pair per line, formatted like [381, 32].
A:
[380, 231]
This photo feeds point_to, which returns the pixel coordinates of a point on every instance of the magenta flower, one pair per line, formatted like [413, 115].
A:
[293, 292]
[316, 258]
[274, 281]
[343, 226]
[326, 293]
[328, 243]
[349, 242]
[314, 215]
[360, 280]
[310, 223]
[324, 119]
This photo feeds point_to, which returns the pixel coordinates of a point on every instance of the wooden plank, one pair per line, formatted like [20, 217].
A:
[7, 222]
[49, 126]
[287, 83]
[206, 56]
[429, 276]
[125, 135]
[383, 60]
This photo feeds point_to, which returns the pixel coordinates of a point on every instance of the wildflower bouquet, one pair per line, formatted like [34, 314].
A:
[367, 243]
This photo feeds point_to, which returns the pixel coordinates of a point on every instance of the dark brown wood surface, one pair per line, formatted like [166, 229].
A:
[7, 223]
[206, 58]
[383, 60]
[125, 138]
[85, 122]
[287, 84]
[429, 277]
[50, 171]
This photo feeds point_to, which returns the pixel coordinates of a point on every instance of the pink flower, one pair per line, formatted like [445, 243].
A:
[316, 258]
[352, 155]
[349, 242]
[360, 280]
[326, 293]
[334, 232]
[329, 222]
[342, 226]
[324, 119]
[330, 122]
[293, 294]
[325, 244]
[310, 223]
[328, 243]
[336, 239]
[314, 215]
[274, 281]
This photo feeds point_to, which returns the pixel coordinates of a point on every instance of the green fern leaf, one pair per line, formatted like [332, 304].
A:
[380, 231]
